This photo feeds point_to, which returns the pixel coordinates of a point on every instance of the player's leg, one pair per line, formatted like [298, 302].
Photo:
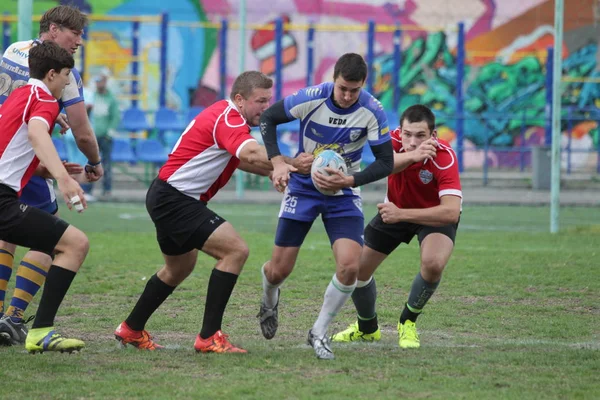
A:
[7, 251]
[31, 275]
[289, 237]
[160, 286]
[296, 216]
[380, 240]
[45, 233]
[231, 252]
[177, 218]
[364, 297]
[437, 245]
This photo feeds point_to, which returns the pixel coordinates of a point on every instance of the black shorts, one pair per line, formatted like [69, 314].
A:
[182, 222]
[28, 226]
[384, 238]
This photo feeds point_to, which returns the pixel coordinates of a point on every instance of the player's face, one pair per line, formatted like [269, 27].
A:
[345, 93]
[58, 82]
[414, 133]
[253, 107]
[66, 38]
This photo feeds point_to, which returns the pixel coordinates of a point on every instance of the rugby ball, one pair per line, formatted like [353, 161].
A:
[331, 159]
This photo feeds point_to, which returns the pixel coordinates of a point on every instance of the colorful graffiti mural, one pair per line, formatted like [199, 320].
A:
[505, 67]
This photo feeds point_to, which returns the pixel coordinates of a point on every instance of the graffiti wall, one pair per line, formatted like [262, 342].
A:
[505, 73]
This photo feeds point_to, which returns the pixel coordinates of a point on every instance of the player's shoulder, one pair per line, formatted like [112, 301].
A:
[316, 92]
[370, 102]
[445, 157]
[75, 73]
[226, 116]
[19, 51]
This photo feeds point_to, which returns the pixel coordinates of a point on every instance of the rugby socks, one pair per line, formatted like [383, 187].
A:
[364, 297]
[336, 296]
[155, 293]
[420, 293]
[270, 290]
[220, 286]
[6, 265]
[57, 284]
[30, 277]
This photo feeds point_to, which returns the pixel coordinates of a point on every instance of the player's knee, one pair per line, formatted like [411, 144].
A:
[11, 248]
[347, 269]
[75, 242]
[433, 265]
[239, 251]
[81, 244]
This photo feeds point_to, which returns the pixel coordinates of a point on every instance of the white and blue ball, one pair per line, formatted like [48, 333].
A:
[331, 159]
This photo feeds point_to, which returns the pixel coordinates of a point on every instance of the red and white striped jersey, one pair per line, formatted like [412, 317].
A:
[17, 158]
[422, 184]
[206, 154]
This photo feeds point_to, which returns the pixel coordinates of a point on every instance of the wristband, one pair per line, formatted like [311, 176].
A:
[94, 164]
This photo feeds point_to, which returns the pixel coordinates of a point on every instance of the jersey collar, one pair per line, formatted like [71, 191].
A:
[40, 84]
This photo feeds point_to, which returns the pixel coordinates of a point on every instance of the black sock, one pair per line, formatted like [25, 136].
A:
[368, 325]
[57, 284]
[155, 293]
[220, 286]
[408, 315]
[364, 298]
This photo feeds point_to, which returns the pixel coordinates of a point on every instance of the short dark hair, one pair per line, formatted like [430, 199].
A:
[247, 81]
[352, 67]
[418, 113]
[46, 56]
[63, 16]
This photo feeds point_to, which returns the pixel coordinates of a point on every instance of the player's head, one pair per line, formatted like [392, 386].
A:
[417, 124]
[52, 64]
[251, 93]
[64, 25]
[349, 76]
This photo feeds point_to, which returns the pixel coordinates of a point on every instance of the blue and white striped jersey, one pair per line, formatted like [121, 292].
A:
[345, 131]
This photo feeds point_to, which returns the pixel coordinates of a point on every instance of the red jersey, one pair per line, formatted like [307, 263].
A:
[206, 154]
[422, 184]
[17, 158]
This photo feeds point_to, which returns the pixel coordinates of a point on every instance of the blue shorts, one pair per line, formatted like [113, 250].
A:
[342, 214]
[39, 194]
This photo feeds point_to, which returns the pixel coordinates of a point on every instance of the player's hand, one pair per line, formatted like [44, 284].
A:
[63, 122]
[281, 175]
[93, 173]
[72, 193]
[390, 214]
[336, 180]
[426, 150]
[303, 162]
[73, 168]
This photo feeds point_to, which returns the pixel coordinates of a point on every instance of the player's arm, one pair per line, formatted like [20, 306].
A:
[252, 156]
[72, 169]
[378, 169]
[426, 150]
[446, 213]
[83, 132]
[46, 152]
[44, 149]
[269, 120]
[254, 169]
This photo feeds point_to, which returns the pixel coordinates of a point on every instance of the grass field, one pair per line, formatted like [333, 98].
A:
[517, 316]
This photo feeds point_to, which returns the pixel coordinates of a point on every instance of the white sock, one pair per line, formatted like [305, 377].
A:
[360, 284]
[270, 290]
[336, 296]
